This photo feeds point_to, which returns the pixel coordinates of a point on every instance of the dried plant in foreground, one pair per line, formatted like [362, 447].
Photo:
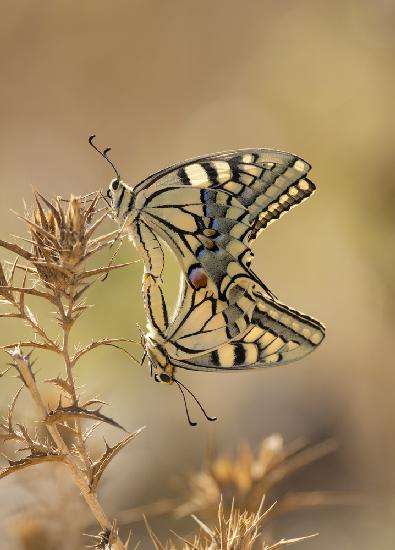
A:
[245, 479]
[235, 487]
[234, 530]
[52, 266]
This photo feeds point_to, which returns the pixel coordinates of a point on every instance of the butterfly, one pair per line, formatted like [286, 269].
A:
[209, 210]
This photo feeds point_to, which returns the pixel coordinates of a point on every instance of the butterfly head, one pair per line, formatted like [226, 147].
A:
[113, 189]
[159, 362]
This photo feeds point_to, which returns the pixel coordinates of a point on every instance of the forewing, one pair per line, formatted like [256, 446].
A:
[202, 227]
[266, 182]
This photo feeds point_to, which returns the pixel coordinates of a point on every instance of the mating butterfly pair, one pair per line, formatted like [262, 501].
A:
[209, 210]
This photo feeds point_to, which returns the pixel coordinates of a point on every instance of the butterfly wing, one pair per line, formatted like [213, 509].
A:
[210, 209]
[276, 335]
[266, 182]
[202, 228]
[201, 322]
[151, 252]
[197, 312]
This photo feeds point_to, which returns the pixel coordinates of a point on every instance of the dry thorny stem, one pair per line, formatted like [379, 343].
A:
[52, 266]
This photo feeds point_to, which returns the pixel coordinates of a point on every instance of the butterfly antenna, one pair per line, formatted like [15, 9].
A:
[191, 423]
[104, 154]
[211, 418]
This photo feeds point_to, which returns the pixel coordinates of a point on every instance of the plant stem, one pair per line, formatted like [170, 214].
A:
[78, 476]
[67, 325]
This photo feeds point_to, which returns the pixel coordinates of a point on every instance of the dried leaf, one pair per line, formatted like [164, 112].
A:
[100, 465]
[54, 211]
[85, 287]
[11, 408]
[25, 268]
[30, 291]
[37, 228]
[33, 445]
[94, 226]
[62, 414]
[105, 342]
[10, 316]
[94, 401]
[51, 265]
[99, 270]
[14, 265]
[30, 315]
[17, 249]
[31, 460]
[287, 542]
[89, 432]
[30, 344]
[5, 371]
[62, 384]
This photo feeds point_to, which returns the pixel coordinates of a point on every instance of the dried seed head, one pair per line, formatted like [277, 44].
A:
[60, 238]
[232, 530]
[244, 479]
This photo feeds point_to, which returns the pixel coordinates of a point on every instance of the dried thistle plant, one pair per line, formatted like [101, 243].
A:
[242, 481]
[234, 530]
[235, 487]
[52, 266]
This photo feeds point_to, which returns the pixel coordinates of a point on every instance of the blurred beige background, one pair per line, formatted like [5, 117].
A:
[163, 81]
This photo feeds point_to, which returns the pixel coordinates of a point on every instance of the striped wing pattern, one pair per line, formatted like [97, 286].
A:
[275, 334]
[202, 323]
[266, 182]
[153, 257]
[189, 224]
[209, 210]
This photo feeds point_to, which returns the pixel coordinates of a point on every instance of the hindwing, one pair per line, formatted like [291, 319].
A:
[276, 334]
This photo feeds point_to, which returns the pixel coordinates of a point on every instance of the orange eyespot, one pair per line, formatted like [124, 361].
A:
[198, 278]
